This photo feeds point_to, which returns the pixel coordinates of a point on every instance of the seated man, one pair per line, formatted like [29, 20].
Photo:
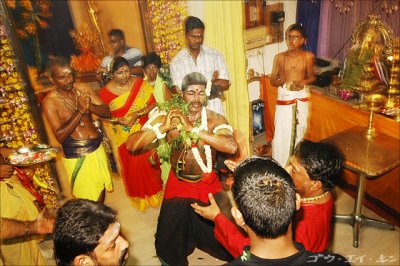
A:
[119, 47]
[192, 175]
[87, 233]
[267, 201]
[313, 169]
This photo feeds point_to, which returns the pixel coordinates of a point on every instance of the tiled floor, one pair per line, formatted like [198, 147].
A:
[377, 247]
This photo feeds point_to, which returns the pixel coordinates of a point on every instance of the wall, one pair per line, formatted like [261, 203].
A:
[261, 59]
[113, 14]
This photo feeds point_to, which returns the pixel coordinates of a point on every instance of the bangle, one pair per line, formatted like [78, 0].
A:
[156, 129]
[113, 120]
[140, 114]
[27, 229]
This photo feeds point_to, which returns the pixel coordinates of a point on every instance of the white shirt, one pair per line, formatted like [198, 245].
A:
[133, 55]
[206, 63]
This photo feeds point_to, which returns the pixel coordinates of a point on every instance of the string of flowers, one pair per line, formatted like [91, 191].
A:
[16, 122]
[167, 23]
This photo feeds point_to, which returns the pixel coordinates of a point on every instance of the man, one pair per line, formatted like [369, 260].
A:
[192, 177]
[68, 109]
[119, 48]
[292, 71]
[313, 169]
[20, 219]
[267, 201]
[87, 233]
[197, 57]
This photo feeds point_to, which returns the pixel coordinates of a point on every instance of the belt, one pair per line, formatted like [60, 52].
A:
[289, 102]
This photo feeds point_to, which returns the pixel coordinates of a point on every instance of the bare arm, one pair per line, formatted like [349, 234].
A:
[61, 131]
[137, 71]
[167, 92]
[11, 228]
[276, 79]
[310, 75]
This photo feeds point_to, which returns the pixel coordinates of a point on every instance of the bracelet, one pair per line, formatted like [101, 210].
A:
[113, 120]
[140, 114]
[156, 129]
[27, 229]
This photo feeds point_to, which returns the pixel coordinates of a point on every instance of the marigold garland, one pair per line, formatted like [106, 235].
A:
[17, 126]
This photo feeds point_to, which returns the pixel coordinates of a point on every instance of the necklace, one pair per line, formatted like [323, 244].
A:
[290, 63]
[123, 86]
[68, 105]
[316, 197]
[206, 168]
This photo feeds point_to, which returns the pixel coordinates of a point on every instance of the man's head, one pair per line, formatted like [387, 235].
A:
[295, 36]
[315, 165]
[194, 91]
[194, 33]
[265, 195]
[86, 232]
[116, 39]
[60, 73]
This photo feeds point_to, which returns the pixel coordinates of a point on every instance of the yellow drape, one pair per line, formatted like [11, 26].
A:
[224, 32]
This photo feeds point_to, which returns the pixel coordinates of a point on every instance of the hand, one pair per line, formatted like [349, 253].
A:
[263, 150]
[129, 119]
[231, 164]
[237, 215]
[208, 212]
[172, 119]
[215, 75]
[6, 171]
[83, 101]
[43, 225]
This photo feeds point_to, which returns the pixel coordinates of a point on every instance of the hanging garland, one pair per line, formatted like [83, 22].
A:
[17, 126]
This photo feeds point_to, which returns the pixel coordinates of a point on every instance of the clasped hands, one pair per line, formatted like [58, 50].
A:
[174, 118]
[83, 104]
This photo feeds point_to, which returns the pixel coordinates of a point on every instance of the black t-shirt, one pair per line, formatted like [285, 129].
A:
[303, 257]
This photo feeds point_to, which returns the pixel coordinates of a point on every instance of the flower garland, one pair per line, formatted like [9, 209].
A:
[167, 23]
[17, 125]
[207, 149]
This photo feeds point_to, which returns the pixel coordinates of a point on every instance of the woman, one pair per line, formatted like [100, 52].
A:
[130, 99]
[151, 69]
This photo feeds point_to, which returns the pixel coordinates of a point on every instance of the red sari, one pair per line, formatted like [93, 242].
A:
[142, 180]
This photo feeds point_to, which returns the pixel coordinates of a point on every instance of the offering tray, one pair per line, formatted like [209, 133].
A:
[39, 153]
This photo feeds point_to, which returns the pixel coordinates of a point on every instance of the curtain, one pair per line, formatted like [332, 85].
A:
[224, 32]
[308, 15]
[335, 29]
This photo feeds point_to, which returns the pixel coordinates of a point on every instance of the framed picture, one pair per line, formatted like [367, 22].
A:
[257, 117]
[254, 13]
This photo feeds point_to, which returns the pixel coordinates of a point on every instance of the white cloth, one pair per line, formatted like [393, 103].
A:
[282, 140]
[206, 63]
[133, 55]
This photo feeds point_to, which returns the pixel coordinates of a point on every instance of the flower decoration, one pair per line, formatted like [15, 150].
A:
[208, 88]
[167, 23]
[17, 127]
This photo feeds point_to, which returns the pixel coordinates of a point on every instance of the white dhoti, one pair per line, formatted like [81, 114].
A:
[291, 114]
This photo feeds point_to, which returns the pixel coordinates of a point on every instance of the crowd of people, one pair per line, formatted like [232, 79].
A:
[167, 156]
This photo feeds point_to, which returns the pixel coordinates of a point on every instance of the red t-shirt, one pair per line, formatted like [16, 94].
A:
[312, 229]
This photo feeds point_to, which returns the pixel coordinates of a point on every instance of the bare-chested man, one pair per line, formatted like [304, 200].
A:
[192, 177]
[293, 71]
[68, 109]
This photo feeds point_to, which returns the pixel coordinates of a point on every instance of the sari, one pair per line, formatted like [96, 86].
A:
[142, 180]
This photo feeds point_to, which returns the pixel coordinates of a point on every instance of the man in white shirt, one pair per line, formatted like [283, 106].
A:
[119, 48]
[197, 57]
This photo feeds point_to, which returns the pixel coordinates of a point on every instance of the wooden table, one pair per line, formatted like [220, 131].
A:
[369, 158]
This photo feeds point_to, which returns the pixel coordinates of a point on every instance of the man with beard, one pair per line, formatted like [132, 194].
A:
[197, 57]
[68, 109]
[292, 72]
[87, 233]
[192, 176]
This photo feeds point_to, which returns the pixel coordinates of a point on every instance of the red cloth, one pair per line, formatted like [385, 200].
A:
[313, 225]
[181, 189]
[312, 229]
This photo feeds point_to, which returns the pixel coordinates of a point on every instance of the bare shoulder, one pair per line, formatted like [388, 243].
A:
[215, 119]
[49, 100]
[308, 55]
[279, 57]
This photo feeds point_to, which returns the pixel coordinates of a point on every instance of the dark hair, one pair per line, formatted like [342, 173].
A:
[151, 58]
[56, 61]
[322, 161]
[117, 62]
[265, 195]
[193, 78]
[80, 223]
[299, 28]
[193, 23]
[117, 33]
